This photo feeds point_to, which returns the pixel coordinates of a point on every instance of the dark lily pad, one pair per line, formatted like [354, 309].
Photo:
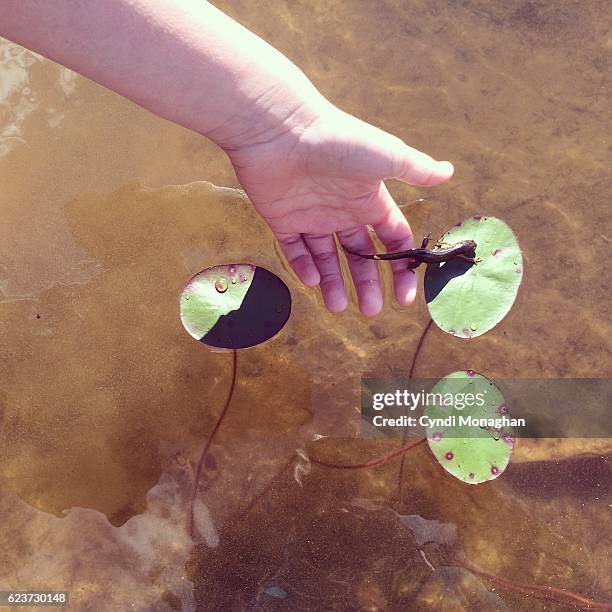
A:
[479, 450]
[465, 299]
[234, 305]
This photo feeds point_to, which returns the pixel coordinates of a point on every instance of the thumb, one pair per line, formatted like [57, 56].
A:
[417, 168]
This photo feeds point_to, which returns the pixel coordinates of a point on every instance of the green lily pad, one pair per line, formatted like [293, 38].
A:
[211, 294]
[471, 442]
[234, 305]
[466, 299]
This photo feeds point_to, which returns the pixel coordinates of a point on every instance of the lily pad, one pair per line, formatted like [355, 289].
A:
[471, 442]
[466, 299]
[234, 305]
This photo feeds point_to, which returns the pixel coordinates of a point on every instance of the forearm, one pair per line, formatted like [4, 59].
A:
[183, 60]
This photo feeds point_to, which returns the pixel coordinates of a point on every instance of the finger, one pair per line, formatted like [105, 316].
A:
[417, 168]
[364, 271]
[325, 256]
[299, 258]
[395, 233]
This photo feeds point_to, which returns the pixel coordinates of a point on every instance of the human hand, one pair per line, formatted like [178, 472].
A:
[326, 177]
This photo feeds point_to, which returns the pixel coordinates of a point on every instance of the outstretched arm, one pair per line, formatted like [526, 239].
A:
[310, 170]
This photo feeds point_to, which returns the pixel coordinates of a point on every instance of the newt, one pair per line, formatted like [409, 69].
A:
[465, 249]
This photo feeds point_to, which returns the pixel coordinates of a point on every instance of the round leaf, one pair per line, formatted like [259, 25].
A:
[234, 305]
[471, 442]
[466, 299]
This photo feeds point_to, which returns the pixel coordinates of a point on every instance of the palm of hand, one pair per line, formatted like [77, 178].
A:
[329, 179]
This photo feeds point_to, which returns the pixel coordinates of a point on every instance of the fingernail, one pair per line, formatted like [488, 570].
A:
[446, 168]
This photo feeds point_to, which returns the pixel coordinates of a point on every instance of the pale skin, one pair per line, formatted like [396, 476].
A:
[312, 171]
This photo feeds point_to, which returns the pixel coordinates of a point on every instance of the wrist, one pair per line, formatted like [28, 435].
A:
[280, 100]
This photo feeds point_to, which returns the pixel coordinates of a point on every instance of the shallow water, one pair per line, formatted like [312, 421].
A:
[106, 401]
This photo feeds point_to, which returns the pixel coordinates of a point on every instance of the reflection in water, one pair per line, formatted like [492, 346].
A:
[106, 401]
[16, 96]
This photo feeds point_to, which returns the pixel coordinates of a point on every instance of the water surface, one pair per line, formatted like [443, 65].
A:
[105, 400]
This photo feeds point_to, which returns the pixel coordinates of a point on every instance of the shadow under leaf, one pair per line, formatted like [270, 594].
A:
[437, 276]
